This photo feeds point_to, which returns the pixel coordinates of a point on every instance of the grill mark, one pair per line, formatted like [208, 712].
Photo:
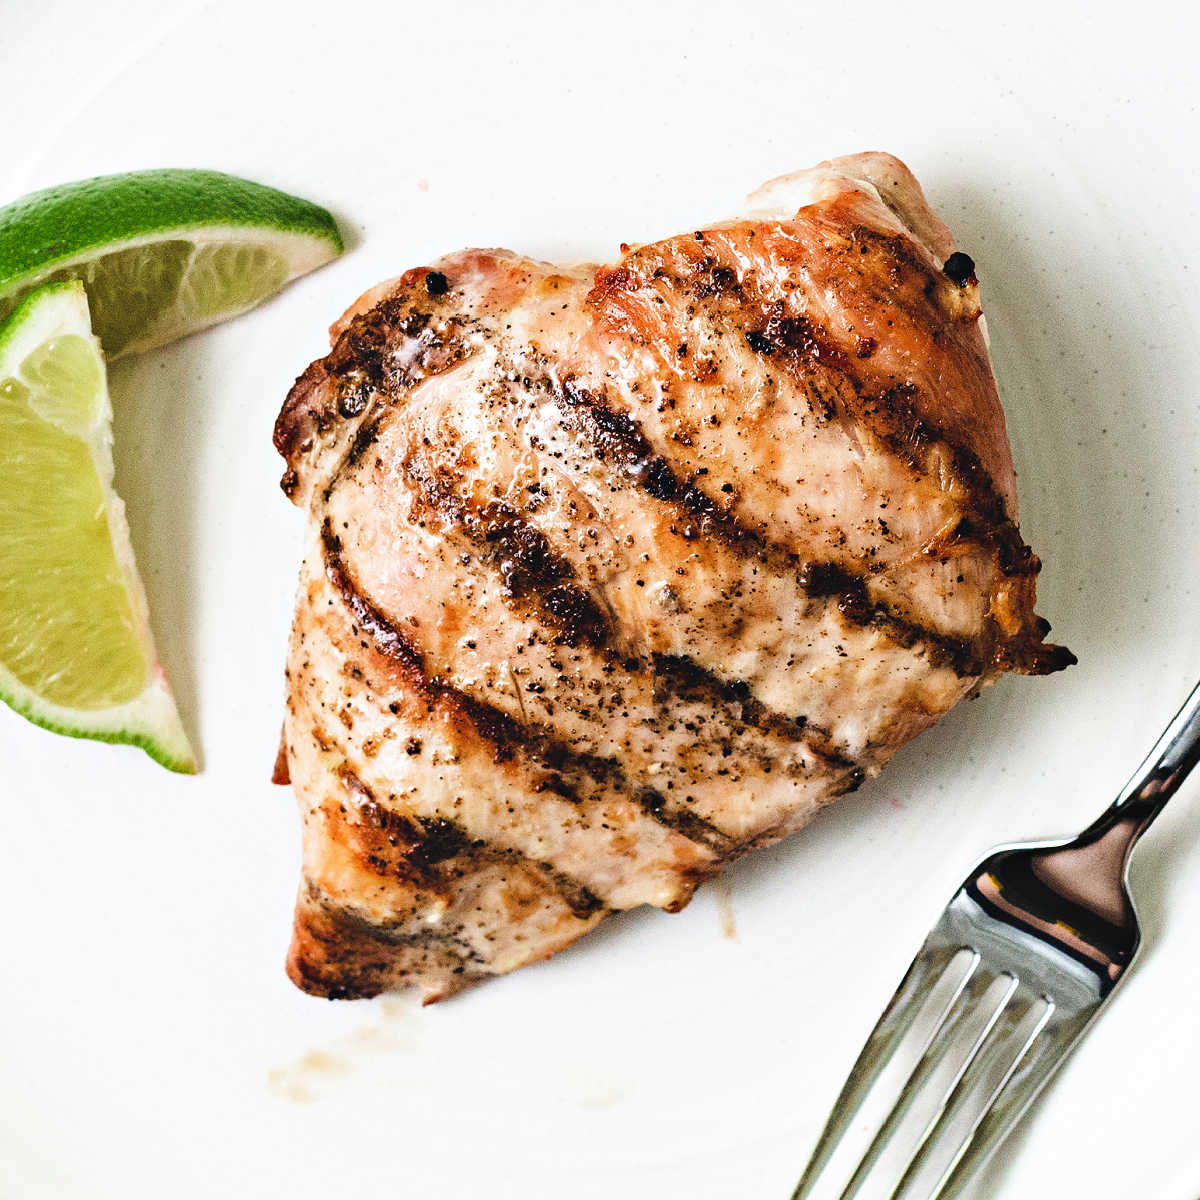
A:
[692, 681]
[504, 734]
[985, 522]
[809, 349]
[693, 827]
[542, 566]
[616, 438]
[531, 571]
[387, 350]
[800, 338]
[398, 837]
[446, 936]
[806, 347]
[338, 953]
[985, 525]
[368, 431]
[434, 851]
[383, 633]
[582, 902]
[366, 358]
[364, 438]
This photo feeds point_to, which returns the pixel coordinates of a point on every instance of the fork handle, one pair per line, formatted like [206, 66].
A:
[1158, 778]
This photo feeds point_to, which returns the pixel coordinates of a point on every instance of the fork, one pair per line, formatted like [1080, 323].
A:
[1019, 964]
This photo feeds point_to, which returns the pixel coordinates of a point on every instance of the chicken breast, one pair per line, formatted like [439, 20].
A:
[616, 573]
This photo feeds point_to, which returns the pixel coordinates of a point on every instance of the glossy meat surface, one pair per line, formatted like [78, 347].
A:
[615, 573]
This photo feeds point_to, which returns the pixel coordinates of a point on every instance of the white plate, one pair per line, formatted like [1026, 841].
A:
[150, 1043]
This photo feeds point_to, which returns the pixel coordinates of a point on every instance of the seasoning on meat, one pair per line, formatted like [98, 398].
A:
[617, 573]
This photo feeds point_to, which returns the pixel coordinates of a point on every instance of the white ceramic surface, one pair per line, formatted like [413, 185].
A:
[150, 1044]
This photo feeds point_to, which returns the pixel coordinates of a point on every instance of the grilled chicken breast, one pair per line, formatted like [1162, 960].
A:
[615, 573]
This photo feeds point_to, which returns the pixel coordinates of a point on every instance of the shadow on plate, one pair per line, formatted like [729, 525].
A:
[162, 413]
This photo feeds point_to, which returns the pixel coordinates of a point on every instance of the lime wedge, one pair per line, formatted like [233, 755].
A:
[76, 652]
[161, 253]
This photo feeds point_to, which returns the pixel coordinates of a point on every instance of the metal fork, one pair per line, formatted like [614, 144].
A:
[1018, 965]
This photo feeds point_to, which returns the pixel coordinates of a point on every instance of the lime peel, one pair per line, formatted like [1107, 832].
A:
[162, 253]
[74, 625]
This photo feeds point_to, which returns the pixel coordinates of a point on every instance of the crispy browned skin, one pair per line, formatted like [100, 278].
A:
[617, 573]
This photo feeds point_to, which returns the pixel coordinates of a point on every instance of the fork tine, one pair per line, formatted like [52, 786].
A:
[1047, 1046]
[981, 1007]
[1002, 989]
[1041, 1020]
[952, 969]
[961, 1109]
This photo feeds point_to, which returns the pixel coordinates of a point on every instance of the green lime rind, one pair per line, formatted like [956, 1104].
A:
[151, 724]
[158, 251]
[62, 224]
[149, 719]
[25, 312]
